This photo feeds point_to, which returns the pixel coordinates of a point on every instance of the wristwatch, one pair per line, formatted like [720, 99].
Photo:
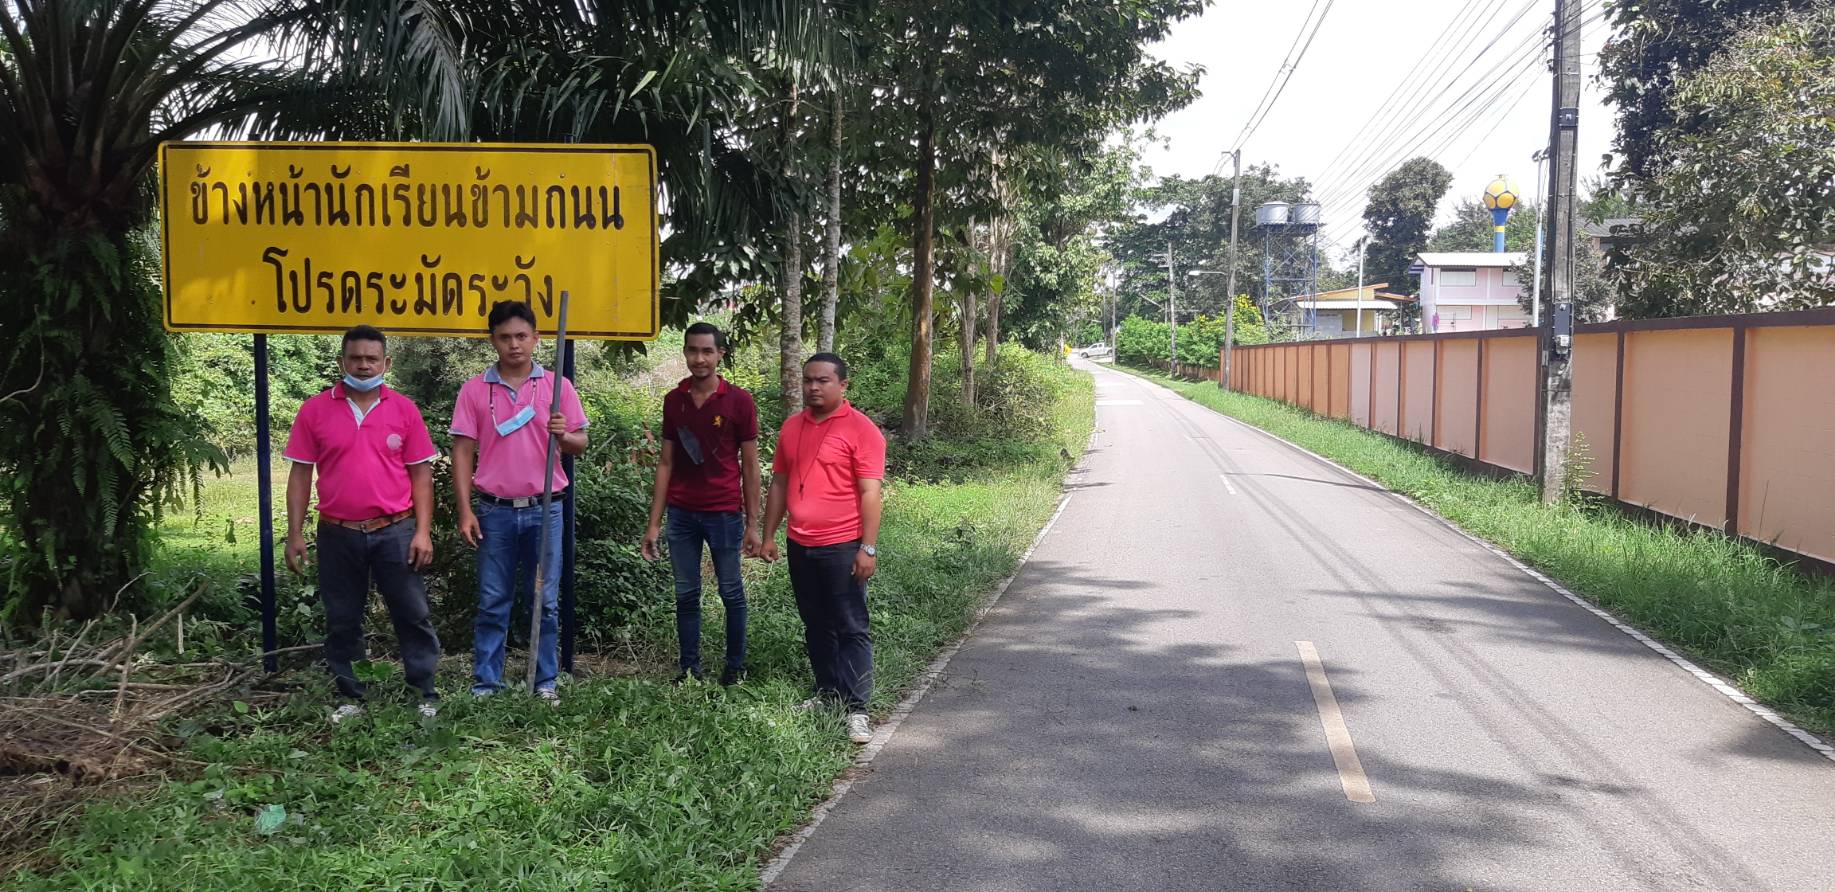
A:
[870, 550]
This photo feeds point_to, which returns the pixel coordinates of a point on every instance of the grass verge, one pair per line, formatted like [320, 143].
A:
[631, 783]
[1762, 623]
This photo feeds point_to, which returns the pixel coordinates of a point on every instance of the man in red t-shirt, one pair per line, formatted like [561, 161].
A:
[374, 458]
[826, 475]
[707, 475]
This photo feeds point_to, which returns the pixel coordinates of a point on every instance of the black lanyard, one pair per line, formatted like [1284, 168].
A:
[803, 474]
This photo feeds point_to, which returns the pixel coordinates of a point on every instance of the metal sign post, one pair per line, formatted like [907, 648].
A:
[264, 458]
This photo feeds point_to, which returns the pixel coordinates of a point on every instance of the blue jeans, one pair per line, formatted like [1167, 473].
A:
[724, 534]
[507, 555]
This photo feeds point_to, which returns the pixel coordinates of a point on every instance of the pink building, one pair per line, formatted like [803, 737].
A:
[1470, 291]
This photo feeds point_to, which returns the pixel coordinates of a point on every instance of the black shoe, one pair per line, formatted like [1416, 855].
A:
[730, 676]
[685, 675]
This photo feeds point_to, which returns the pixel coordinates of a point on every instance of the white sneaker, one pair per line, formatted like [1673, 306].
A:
[347, 711]
[858, 728]
[429, 709]
[550, 695]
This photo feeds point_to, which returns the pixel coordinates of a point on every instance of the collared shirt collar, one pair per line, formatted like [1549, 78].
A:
[687, 384]
[809, 415]
[491, 376]
[356, 411]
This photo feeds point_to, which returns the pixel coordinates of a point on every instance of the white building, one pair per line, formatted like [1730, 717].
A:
[1470, 291]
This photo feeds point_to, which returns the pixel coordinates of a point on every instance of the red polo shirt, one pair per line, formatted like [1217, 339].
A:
[820, 463]
[362, 457]
[714, 431]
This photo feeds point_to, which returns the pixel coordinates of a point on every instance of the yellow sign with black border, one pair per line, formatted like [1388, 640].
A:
[413, 238]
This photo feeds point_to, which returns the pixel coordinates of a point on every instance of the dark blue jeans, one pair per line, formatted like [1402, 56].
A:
[348, 561]
[506, 557]
[833, 605]
[723, 532]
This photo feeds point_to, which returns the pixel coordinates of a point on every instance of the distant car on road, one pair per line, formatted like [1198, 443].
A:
[1095, 351]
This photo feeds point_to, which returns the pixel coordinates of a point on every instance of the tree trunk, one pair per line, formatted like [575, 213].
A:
[917, 384]
[831, 259]
[998, 238]
[790, 282]
[968, 333]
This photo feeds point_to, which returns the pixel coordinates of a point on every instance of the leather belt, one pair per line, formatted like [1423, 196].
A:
[524, 502]
[371, 525]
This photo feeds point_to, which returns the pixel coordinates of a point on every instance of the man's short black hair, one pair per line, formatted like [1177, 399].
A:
[706, 328]
[364, 333]
[830, 358]
[505, 310]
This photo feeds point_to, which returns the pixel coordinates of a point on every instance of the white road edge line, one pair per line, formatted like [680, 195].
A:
[776, 866]
[1705, 677]
[1337, 737]
[1226, 483]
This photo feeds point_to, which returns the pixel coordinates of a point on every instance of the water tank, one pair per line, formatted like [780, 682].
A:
[1306, 214]
[1274, 213]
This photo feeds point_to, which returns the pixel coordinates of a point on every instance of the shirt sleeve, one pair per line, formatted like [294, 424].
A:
[465, 420]
[302, 441]
[570, 407]
[870, 453]
[745, 423]
[417, 444]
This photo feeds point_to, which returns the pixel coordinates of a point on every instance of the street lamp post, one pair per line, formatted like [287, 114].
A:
[1362, 243]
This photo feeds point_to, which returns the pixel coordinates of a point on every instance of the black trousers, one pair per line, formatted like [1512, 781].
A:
[348, 560]
[834, 609]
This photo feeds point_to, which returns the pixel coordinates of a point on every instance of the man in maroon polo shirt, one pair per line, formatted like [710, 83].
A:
[707, 475]
[374, 462]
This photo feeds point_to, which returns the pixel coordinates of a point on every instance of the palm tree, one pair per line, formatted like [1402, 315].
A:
[91, 441]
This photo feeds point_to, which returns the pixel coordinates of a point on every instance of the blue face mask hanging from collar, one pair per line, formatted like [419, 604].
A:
[362, 385]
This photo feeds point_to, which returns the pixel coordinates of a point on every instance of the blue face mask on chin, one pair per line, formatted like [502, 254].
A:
[362, 385]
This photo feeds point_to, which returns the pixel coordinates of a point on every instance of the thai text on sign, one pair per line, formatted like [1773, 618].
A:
[415, 238]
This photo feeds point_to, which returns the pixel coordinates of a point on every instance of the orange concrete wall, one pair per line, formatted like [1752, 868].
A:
[1678, 387]
[1674, 422]
[1417, 390]
[1509, 420]
[1456, 423]
[1362, 355]
[1595, 389]
[1787, 436]
[1340, 363]
[1383, 399]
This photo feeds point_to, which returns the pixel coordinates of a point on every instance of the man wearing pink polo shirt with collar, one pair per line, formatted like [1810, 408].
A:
[500, 430]
[373, 457]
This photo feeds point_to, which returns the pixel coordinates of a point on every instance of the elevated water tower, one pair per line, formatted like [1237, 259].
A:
[1500, 199]
[1290, 260]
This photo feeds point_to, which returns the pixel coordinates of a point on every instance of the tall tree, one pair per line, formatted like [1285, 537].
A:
[92, 443]
[831, 246]
[1398, 216]
[1655, 45]
[1740, 192]
[790, 271]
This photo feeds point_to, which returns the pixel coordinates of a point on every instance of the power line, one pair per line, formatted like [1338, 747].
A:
[1282, 75]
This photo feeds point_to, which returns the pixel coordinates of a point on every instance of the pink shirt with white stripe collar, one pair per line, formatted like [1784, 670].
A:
[362, 457]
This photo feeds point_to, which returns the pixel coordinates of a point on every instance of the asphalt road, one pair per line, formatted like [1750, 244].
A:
[1135, 714]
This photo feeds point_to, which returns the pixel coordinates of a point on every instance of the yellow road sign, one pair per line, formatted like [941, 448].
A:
[414, 238]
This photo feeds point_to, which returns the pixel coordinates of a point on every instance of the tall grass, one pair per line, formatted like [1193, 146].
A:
[1767, 625]
[631, 784]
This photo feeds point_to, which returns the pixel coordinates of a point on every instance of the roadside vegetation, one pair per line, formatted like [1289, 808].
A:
[632, 782]
[1763, 623]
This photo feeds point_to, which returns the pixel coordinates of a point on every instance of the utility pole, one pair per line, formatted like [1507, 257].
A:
[1172, 312]
[1535, 291]
[1229, 297]
[1558, 329]
[1362, 243]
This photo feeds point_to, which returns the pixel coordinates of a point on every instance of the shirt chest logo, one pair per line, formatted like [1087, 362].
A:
[394, 442]
[718, 420]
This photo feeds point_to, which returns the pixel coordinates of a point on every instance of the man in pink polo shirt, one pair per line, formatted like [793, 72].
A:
[372, 454]
[500, 430]
[826, 475]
